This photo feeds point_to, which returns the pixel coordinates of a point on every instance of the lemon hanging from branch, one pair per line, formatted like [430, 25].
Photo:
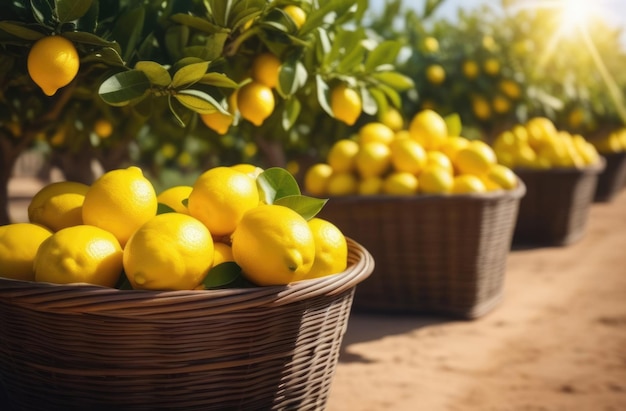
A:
[53, 62]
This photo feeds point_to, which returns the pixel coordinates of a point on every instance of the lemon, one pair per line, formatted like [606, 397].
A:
[477, 158]
[481, 107]
[18, 246]
[491, 66]
[58, 205]
[222, 253]
[373, 159]
[393, 119]
[220, 197]
[265, 69]
[439, 159]
[53, 62]
[407, 155]
[435, 179]
[435, 74]
[255, 102]
[429, 129]
[503, 176]
[345, 104]
[120, 201]
[470, 69]
[510, 88]
[79, 254]
[297, 15]
[400, 183]
[247, 168]
[370, 186]
[375, 131]
[468, 183]
[171, 251]
[452, 145]
[273, 245]
[217, 121]
[331, 249]
[103, 128]
[539, 131]
[501, 104]
[430, 44]
[174, 198]
[316, 179]
[342, 154]
[342, 184]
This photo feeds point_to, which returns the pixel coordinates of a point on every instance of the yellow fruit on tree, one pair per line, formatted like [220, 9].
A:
[217, 121]
[345, 104]
[407, 155]
[174, 197]
[331, 249]
[393, 119]
[375, 131]
[481, 108]
[435, 74]
[435, 179]
[373, 159]
[255, 102]
[510, 88]
[273, 245]
[430, 44]
[18, 246]
[53, 62]
[103, 128]
[266, 68]
[342, 154]
[400, 183]
[467, 183]
[316, 179]
[58, 205]
[120, 201]
[220, 197]
[297, 15]
[429, 129]
[171, 251]
[342, 184]
[79, 254]
[491, 66]
[501, 104]
[477, 158]
[470, 69]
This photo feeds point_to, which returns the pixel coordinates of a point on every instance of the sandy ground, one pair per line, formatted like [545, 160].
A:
[557, 342]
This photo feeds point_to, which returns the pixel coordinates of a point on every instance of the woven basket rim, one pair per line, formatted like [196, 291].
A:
[95, 298]
[596, 168]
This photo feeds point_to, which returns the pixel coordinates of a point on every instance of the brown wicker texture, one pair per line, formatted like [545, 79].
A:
[435, 254]
[613, 179]
[80, 347]
[555, 208]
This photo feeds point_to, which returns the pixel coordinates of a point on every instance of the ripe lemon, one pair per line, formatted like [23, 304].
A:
[491, 66]
[435, 179]
[430, 45]
[120, 201]
[222, 253]
[501, 104]
[255, 102]
[265, 69]
[103, 128]
[53, 62]
[171, 251]
[540, 130]
[342, 184]
[375, 131]
[435, 74]
[220, 197]
[393, 119]
[470, 69]
[79, 254]
[468, 183]
[296, 13]
[217, 121]
[452, 145]
[481, 108]
[429, 129]
[342, 154]
[502, 176]
[331, 249]
[370, 186]
[439, 159]
[477, 158]
[400, 183]
[316, 179]
[247, 168]
[407, 155]
[273, 245]
[18, 246]
[345, 104]
[373, 159]
[173, 197]
[58, 205]
[510, 88]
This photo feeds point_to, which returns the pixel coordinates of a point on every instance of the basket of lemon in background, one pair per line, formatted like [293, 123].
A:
[228, 294]
[611, 182]
[435, 209]
[560, 171]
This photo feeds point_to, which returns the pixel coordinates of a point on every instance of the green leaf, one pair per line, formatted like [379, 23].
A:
[395, 80]
[291, 77]
[380, 99]
[106, 56]
[306, 206]
[189, 74]
[163, 208]
[127, 31]
[275, 183]
[453, 122]
[217, 80]
[369, 103]
[20, 30]
[199, 101]
[43, 12]
[291, 112]
[123, 283]
[121, 88]
[70, 10]
[197, 23]
[222, 275]
[91, 39]
[384, 53]
[323, 95]
[158, 75]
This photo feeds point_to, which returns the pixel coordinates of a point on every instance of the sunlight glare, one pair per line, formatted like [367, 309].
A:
[575, 13]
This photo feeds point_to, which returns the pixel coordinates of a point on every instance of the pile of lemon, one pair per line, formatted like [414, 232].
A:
[611, 143]
[118, 230]
[538, 144]
[387, 158]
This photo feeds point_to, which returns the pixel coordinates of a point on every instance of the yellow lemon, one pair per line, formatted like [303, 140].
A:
[435, 74]
[470, 69]
[217, 121]
[247, 168]
[53, 62]
[370, 186]
[222, 253]
[174, 198]
[297, 15]
[18, 246]
[373, 159]
[491, 66]
[255, 102]
[265, 69]
[452, 145]
[430, 44]
[120, 201]
[429, 129]
[345, 104]
[273, 245]
[540, 130]
[331, 249]
[477, 158]
[501, 104]
[400, 183]
[393, 119]
[58, 205]
[342, 184]
[407, 155]
[468, 183]
[79, 254]
[510, 88]
[220, 197]
[435, 179]
[481, 108]
[171, 251]
[503, 176]
[316, 179]
[342, 154]
[375, 131]
[103, 128]
[439, 159]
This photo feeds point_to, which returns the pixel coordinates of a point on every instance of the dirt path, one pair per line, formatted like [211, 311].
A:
[557, 341]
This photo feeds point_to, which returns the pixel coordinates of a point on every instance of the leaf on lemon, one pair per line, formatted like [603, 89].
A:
[306, 206]
[275, 183]
[227, 274]
[163, 208]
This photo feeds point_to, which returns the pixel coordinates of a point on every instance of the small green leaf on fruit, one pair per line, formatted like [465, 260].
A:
[162, 209]
[275, 183]
[223, 275]
[306, 206]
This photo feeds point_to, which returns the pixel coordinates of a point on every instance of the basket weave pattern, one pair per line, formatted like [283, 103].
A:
[612, 180]
[434, 254]
[86, 347]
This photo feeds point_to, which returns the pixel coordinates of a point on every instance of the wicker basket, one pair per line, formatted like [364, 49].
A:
[434, 254]
[80, 347]
[613, 179]
[555, 208]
